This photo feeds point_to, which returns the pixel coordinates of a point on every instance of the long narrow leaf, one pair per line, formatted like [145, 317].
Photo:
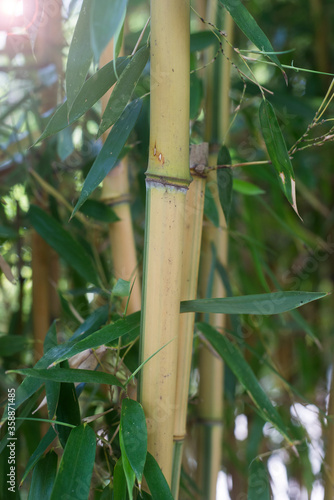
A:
[123, 90]
[225, 181]
[79, 56]
[156, 480]
[43, 445]
[134, 435]
[43, 477]
[258, 482]
[76, 466]
[64, 243]
[70, 375]
[106, 16]
[233, 357]
[250, 28]
[92, 90]
[278, 152]
[262, 304]
[107, 158]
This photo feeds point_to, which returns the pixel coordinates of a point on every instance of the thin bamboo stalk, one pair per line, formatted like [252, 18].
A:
[167, 179]
[45, 263]
[191, 257]
[115, 193]
[211, 368]
[329, 457]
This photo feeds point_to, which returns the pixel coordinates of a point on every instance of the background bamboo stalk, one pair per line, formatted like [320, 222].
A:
[116, 193]
[167, 179]
[211, 368]
[45, 265]
[191, 257]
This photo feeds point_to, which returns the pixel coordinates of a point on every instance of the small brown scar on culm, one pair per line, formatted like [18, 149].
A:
[155, 149]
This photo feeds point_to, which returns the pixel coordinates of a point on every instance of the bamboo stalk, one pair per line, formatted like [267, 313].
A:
[167, 179]
[115, 193]
[329, 457]
[211, 368]
[191, 257]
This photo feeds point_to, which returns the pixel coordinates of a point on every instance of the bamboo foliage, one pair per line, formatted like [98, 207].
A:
[115, 193]
[167, 179]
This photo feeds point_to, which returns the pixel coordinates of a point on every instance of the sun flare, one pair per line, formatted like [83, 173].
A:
[11, 8]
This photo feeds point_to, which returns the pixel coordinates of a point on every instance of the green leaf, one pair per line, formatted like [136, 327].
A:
[92, 90]
[134, 435]
[70, 375]
[122, 288]
[250, 28]
[93, 322]
[65, 145]
[128, 471]
[225, 181]
[43, 445]
[247, 188]
[234, 359]
[123, 89]
[43, 477]
[258, 482]
[67, 411]
[201, 40]
[8, 233]
[87, 340]
[99, 211]
[262, 304]
[52, 389]
[210, 208]
[119, 481]
[105, 18]
[196, 95]
[278, 152]
[63, 243]
[10, 344]
[156, 480]
[76, 466]
[107, 158]
[79, 56]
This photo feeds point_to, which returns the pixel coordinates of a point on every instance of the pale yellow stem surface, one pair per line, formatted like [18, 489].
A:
[329, 457]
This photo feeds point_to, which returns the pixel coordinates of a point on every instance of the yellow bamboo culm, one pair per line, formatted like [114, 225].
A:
[191, 257]
[167, 180]
[329, 457]
[116, 193]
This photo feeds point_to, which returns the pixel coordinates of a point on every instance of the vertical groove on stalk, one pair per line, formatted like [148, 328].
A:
[191, 257]
[167, 180]
[115, 193]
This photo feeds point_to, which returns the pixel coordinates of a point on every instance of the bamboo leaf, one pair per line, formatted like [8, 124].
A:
[99, 211]
[52, 389]
[42, 446]
[225, 181]
[262, 304]
[134, 435]
[258, 482]
[128, 471]
[234, 359]
[67, 411]
[70, 375]
[79, 56]
[119, 481]
[201, 40]
[156, 480]
[105, 18]
[43, 477]
[87, 340]
[92, 90]
[247, 188]
[210, 208]
[93, 322]
[278, 152]
[250, 28]
[76, 466]
[123, 89]
[63, 243]
[107, 158]
[10, 344]
[122, 288]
